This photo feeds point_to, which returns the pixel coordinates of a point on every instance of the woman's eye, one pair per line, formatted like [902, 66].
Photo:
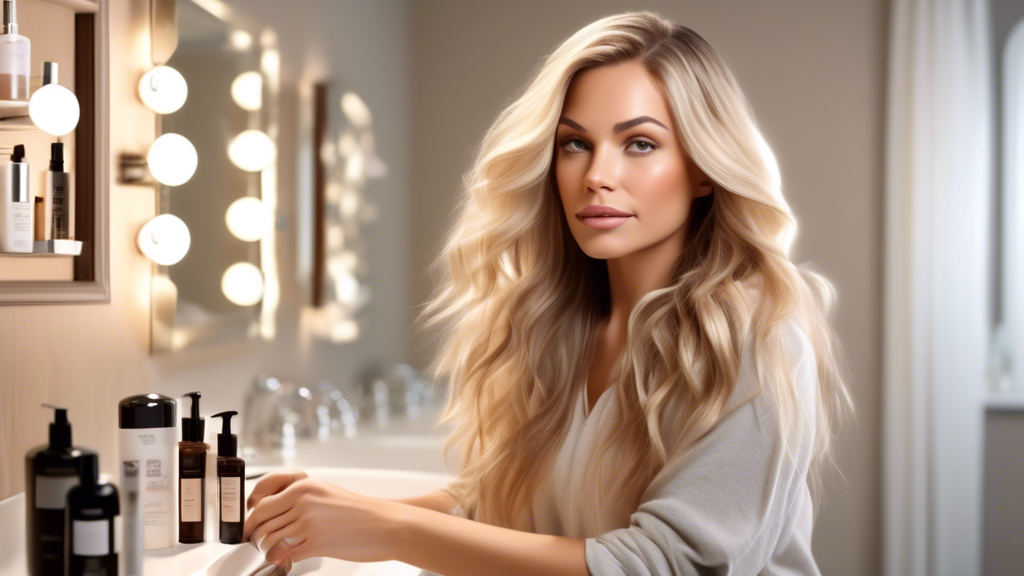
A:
[576, 145]
[570, 146]
[643, 145]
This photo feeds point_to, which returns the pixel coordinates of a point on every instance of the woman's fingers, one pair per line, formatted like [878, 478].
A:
[285, 555]
[272, 484]
[259, 533]
[280, 544]
[269, 507]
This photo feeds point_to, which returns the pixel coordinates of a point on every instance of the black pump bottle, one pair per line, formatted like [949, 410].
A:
[92, 505]
[230, 482]
[192, 477]
[50, 471]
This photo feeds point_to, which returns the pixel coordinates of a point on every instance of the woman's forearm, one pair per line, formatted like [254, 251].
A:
[438, 501]
[455, 546]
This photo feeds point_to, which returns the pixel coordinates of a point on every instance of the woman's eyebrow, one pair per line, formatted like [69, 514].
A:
[621, 126]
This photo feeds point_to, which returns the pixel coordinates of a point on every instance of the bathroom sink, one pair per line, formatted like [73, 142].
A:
[216, 559]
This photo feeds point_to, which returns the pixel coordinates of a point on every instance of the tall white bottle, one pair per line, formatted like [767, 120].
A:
[15, 57]
[16, 204]
[148, 436]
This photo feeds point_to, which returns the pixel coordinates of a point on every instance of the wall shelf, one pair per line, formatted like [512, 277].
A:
[75, 34]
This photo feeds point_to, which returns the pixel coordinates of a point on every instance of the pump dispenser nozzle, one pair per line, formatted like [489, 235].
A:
[227, 443]
[60, 428]
[193, 429]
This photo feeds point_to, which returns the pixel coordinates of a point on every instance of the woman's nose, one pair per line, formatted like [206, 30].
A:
[603, 172]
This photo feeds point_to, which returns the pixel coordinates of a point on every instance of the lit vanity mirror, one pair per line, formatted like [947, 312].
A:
[225, 288]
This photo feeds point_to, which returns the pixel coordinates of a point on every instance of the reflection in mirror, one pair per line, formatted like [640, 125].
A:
[343, 160]
[225, 289]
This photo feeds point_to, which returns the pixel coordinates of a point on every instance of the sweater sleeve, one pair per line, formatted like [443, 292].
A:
[723, 508]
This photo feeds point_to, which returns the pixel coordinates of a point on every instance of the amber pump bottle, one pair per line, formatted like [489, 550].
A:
[230, 482]
[192, 476]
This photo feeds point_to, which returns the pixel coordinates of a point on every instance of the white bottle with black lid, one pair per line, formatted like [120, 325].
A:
[149, 435]
[16, 203]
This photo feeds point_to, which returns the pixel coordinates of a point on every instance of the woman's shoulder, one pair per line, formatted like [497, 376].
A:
[798, 358]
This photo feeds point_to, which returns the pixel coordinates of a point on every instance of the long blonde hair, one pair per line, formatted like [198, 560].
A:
[519, 303]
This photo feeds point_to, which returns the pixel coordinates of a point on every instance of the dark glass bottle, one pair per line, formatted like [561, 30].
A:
[50, 471]
[192, 477]
[91, 508]
[230, 482]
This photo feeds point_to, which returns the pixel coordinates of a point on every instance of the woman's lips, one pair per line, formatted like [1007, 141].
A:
[605, 222]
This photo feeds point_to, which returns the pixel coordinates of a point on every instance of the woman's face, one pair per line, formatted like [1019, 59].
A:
[616, 146]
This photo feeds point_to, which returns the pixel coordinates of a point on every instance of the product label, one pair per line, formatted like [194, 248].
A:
[90, 537]
[52, 490]
[155, 450]
[21, 216]
[229, 498]
[60, 214]
[191, 499]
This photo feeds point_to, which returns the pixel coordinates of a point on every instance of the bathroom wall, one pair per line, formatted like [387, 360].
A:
[88, 357]
[814, 73]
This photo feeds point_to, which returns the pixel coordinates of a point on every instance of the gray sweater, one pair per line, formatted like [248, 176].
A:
[735, 505]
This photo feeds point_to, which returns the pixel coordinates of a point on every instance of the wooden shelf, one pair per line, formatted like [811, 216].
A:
[34, 255]
[36, 267]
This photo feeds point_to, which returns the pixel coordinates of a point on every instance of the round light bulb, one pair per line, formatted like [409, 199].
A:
[247, 91]
[164, 239]
[248, 219]
[356, 110]
[54, 109]
[242, 284]
[252, 151]
[163, 89]
[241, 40]
[172, 159]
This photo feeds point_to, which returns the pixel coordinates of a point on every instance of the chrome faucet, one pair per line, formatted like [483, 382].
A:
[276, 414]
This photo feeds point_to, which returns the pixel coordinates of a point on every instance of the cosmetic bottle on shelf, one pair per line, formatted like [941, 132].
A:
[17, 207]
[15, 57]
[59, 195]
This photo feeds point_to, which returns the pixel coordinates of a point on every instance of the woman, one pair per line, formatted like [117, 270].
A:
[646, 392]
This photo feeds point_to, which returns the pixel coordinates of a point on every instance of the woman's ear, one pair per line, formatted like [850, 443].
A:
[704, 187]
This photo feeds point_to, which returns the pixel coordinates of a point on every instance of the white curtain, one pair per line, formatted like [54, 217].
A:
[936, 319]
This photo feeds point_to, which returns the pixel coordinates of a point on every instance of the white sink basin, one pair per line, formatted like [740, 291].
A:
[216, 559]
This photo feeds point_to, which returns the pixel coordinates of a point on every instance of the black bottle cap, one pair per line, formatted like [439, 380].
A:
[60, 428]
[57, 157]
[89, 468]
[19, 153]
[227, 443]
[193, 429]
[147, 411]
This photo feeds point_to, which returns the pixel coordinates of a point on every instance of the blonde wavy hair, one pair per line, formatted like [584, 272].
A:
[519, 303]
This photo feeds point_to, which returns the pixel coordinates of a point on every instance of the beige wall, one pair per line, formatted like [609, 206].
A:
[814, 73]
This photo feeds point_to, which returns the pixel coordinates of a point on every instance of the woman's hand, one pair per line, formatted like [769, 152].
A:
[310, 518]
[272, 483]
